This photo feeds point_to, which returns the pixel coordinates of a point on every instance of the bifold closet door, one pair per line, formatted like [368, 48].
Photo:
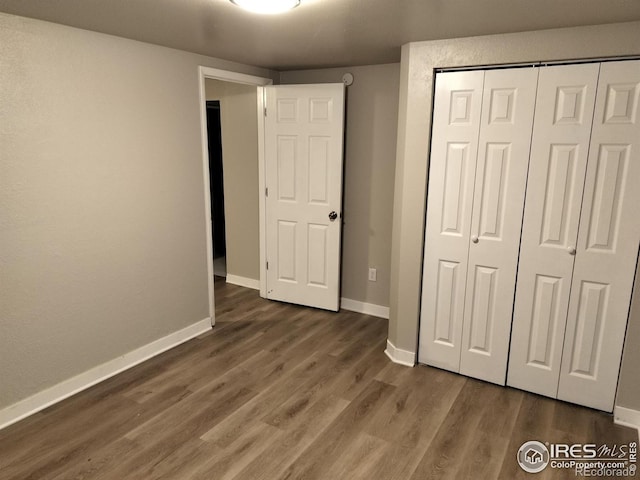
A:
[559, 150]
[496, 222]
[478, 168]
[454, 147]
[608, 240]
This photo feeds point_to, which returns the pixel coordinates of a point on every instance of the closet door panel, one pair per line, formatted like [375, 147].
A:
[607, 247]
[456, 123]
[559, 150]
[500, 180]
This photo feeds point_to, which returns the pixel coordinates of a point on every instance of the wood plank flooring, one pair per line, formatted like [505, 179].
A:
[278, 391]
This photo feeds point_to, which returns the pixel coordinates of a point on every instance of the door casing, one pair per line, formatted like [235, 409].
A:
[234, 77]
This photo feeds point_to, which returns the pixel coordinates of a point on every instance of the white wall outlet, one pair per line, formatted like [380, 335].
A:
[373, 274]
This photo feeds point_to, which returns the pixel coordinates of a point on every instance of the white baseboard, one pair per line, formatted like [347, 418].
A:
[243, 281]
[366, 308]
[41, 400]
[402, 357]
[627, 417]
[345, 303]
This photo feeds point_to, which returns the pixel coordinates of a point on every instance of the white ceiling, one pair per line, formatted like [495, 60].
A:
[319, 33]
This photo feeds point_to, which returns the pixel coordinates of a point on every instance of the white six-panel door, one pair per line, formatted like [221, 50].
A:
[454, 148]
[480, 150]
[303, 174]
[498, 202]
[559, 150]
[608, 240]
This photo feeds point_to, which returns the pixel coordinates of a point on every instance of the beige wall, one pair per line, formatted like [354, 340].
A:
[238, 116]
[629, 381]
[102, 230]
[372, 112]
[416, 82]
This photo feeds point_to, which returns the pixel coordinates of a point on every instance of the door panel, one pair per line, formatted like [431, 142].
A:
[604, 217]
[287, 154]
[587, 342]
[456, 123]
[455, 168]
[319, 149]
[286, 265]
[545, 317]
[607, 247]
[303, 172]
[492, 203]
[317, 237]
[483, 304]
[500, 180]
[559, 150]
[447, 285]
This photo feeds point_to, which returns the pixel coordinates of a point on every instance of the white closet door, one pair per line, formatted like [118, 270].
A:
[608, 239]
[559, 150]
[458, 98]
[501, 175]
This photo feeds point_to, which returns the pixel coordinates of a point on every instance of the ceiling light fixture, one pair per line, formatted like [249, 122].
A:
[267, 6]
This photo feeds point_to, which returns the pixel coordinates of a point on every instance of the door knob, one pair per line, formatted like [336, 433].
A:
[475, 239]
[333, 216]
[571, 250]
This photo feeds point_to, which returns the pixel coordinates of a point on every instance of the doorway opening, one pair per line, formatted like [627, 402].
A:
[232, 126]
[219, 168]
[216, 186]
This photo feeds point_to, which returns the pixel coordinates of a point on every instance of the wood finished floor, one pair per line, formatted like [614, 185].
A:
[277, 391]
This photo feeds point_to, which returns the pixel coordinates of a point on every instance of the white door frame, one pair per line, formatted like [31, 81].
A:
[234, 77]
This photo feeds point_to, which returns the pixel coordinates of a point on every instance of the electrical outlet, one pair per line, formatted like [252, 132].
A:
[373, 274]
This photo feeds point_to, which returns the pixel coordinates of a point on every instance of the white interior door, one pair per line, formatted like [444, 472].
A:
[454, 147]
[500, 182]
[559, 150]
[303, 176]
[608, 239]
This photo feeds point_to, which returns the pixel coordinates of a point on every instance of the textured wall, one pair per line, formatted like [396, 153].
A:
[629, 380]
[102, 225]
[416, 83]
[372, 116]
[238, 116]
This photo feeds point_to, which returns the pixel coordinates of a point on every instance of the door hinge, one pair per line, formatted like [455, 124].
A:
[267, 265]
[266, 192]
[265, 111]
